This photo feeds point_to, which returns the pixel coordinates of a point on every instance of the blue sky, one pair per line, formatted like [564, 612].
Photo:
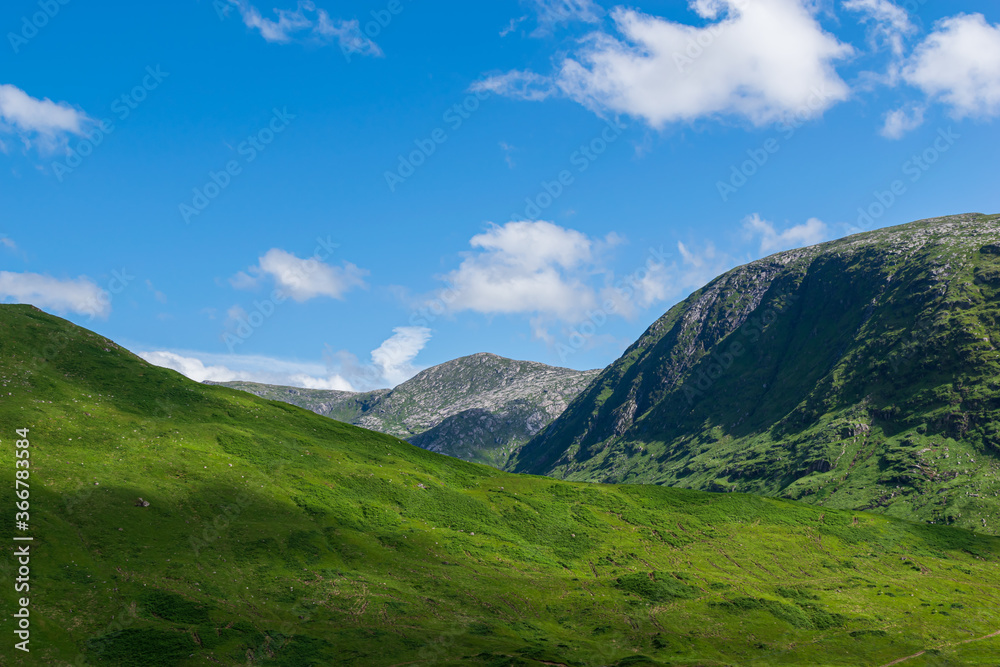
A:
[337, 195]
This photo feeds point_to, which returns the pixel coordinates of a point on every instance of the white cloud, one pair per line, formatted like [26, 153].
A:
[510, 27]
[890, 23]
[658, 280]
[519, 85]
[811, 232]
[43, 120]
[393, 357]
[79, 296]
[8, 243]
[560, 277]
[552, 13]
[301, 279]
[900, 121]
[229, 368]
[308, 21]
[764, 60]
[698, 267]
[391, 364]
[959, 64]
[525, 267]
[656, 284]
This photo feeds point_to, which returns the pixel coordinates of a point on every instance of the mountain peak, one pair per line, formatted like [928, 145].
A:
[853, 373]
[480, 407]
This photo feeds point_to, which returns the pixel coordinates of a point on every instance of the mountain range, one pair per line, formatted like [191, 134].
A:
[479, 408]
[860, 374]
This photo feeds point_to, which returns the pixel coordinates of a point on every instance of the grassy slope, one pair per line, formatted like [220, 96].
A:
[281, 537]
[868, 380]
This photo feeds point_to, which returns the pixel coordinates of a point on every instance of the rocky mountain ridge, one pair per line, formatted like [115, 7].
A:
[482, 407]
[862, 373]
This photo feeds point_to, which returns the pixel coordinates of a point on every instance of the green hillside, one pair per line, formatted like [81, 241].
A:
[274, 536]
[480, 408]
[860, 374]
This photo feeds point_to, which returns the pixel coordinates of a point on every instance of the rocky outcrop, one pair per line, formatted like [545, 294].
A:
[481, 408]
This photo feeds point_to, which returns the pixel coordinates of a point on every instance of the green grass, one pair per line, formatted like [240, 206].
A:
[275, 536]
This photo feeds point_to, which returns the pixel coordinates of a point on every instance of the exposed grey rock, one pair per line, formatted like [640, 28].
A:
[482, 407]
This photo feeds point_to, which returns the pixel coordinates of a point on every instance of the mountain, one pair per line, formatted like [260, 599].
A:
[479, 408]
[181, 524]
[859, 374]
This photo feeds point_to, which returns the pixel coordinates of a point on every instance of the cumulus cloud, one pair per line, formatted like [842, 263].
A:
[80, 296]
[810, 232]
[959, 64]
[230, 368]
[759, 60]
[525, 267]
[393, 358]
[557, 278]
[309, 22]
[301, 279]
[38, 120]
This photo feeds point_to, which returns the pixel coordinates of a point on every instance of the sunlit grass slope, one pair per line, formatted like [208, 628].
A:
[275, 536]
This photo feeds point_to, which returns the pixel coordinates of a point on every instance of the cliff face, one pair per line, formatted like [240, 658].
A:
[482, 407]
[860, 373]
